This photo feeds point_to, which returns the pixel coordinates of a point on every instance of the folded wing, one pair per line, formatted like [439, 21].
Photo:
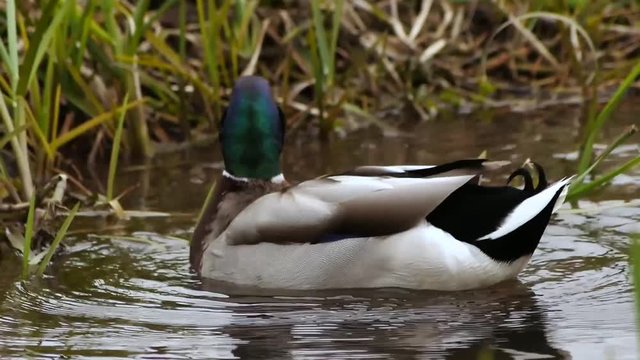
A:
[355, 205]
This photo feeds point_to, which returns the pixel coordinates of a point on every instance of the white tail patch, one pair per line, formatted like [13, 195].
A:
[529, 208]
[563, 194]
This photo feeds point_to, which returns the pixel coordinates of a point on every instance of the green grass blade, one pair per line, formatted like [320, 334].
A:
[8, 136]
[40, 44]
[316, 61]
[594, 129]
[604, 179]
[115, 151]
[138, 19]
[36, 129]
[218, 25]
[4, 176]
[4, 56]
[22, 157]
[165, 50]
[245, 42]
[44, 113]
[319, 78]
[159, 93]
[205, 38]
[335, 31]
[321, 36]
[182, 50]
[209, 55]
[84, 28]
[111, 25]
[28, 236]
[12, 39]
[56, 113]
[35, 96]
[102, 55]
[617, 142]
[88, 97]
[212, 190]
[90, 124]
[4, 85]
[47, 13]
[56, 241]
[221, 27]
[159, 13]
[100, 34]
[202, 88]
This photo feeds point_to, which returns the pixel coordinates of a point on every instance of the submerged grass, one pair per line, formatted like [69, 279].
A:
[115, 151]
[62, 232]
[28, 236]
[43, 256]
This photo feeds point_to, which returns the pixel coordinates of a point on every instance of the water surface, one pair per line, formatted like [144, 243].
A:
[124, 289]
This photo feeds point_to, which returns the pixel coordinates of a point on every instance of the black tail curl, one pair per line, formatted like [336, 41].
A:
[525, 172]
[474, 211]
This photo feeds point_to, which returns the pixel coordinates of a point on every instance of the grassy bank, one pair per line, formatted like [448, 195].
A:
[127, 78]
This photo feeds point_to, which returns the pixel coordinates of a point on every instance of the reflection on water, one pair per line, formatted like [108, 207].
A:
[100, 304]
[122, 298]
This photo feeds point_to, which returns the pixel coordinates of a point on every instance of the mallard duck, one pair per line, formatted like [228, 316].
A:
[417, 227]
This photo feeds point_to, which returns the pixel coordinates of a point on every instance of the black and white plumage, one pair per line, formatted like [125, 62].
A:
[420, 227]
[399, 226]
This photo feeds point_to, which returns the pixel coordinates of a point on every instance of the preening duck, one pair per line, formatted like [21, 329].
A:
[418, 227]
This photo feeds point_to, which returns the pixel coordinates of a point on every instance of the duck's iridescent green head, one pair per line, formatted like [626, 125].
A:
[252, 131]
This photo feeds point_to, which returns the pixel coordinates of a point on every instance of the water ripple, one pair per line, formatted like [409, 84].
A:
[111, 297]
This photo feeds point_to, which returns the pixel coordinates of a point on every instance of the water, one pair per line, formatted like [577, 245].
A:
[125, 290]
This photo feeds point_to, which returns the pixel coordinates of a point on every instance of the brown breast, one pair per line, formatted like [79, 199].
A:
[229, 199]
